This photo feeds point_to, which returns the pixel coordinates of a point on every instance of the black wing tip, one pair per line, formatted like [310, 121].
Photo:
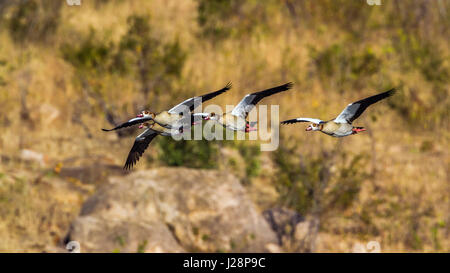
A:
[131, 161]
[391, 91]
[128, 165]
[216, 93]
[228, 86]
[289, 121]
[288, 85]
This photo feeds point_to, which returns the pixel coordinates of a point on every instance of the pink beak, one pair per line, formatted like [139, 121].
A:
[140, 116]
[356, 130]
[207, 118]
[309, 128]
[141, 126]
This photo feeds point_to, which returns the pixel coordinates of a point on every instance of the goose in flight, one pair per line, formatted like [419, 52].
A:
[143, 140]
[178, 115]
[342, 125]
[236, 120]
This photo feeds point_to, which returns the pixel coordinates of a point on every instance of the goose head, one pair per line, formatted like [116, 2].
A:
[314, 127]
[145, 114]
[211, 116]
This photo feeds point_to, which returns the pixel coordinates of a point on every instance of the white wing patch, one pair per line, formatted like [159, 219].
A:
[184, 106]
[347, 113]
[243, 107]
[313, 120]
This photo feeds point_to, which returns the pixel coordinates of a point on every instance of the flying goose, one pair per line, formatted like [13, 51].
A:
[342, 125]
[173, 117]
[237, 119]
[153, 129]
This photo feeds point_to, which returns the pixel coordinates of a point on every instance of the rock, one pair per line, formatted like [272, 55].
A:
[274, 248]
[302, 231]
[98, 234]
[33, 156]
[94, 173]
[171, 210]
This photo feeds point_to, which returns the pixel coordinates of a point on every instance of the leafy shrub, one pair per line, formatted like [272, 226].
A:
[91, 54]
[205, 154]
[34, 20]
[344, 64]
[155, 64]
[212, 14]
[332, 12]
[220, 19]
[188, 153]
[327, 180]
[250, 154]
[424, 55]
[422, 113]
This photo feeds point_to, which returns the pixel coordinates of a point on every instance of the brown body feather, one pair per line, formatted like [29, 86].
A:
[336, 129]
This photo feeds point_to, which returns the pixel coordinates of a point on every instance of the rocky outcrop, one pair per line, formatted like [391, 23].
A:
[171, 210]
[283, 221]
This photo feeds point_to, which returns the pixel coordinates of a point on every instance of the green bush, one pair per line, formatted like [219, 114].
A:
[156, 65]
[251, 155]
[349, 16]
[201, 154]
[34, 20]
[90, 55]
[212, 14]
[421, 113]
[423, 55]
[220, 19]
[307, 181]
[344, 64]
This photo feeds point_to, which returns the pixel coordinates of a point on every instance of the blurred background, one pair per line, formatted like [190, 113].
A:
[67, 71]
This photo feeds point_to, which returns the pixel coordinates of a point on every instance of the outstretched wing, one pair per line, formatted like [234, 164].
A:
[129, 123]
[193, 102]
[140, 145]
[354, 110]
[295, 120]
[249, 101]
